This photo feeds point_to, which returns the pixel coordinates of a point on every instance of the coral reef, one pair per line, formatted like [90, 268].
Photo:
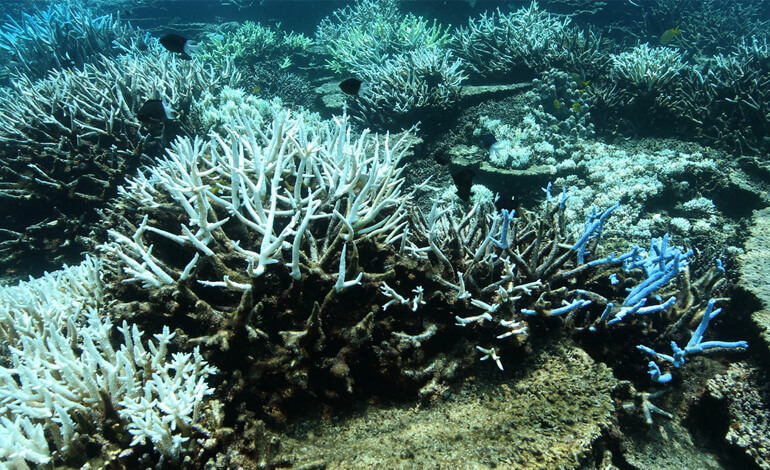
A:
[264, 213]
[556, 117]
[215, 109]
[752, 266]
[636, 177]
[552, 412]
[410, 87]
[410, 74]
[66, 142]
[364, 35]
[268, 57]
[745, 391]
[519, 44]
[65, 373]
[720, 100]
[640, 93]
[64, 36]
[647, 69]
[710, 26]
[248, 43]
[564, 110]
[724, 99]
[263, 274]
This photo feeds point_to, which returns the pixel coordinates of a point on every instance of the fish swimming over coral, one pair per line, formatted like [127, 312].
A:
[488, 140]
[353, 87]
[669, 35]
[155, 112]
[490, 143]
[463, 181]
[179, 45]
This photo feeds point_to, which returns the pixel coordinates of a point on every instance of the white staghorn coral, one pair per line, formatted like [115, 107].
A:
[531, 38]
[421, 80]
[646, 67]
[276, 182]
[96, 106]
[64, 366]
[68, 140]
[164, 407]
[63, 36]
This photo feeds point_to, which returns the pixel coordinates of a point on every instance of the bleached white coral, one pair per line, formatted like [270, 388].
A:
[63, 365]
[162, 408]
[422, 79]
[517, 146]
[700, 206]
[213, 110]
[482, 194]
[496, 43]
[647, 67]
[613, 174]
[276, 177]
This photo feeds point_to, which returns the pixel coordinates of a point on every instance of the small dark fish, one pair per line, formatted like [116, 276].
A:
[441, 159]
[353, 87]
[488, 140]
[463, 180]
[155, 112]
[179, 45]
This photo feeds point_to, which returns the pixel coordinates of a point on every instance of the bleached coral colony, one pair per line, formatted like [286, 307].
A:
[253, 258]
[64, 371]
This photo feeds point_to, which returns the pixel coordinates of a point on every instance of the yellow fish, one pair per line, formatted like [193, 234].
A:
[576, 107]
[669, 35]
[556, 104]
[577, 78]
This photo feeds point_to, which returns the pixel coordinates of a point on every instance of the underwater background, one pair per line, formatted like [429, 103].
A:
[384, 234]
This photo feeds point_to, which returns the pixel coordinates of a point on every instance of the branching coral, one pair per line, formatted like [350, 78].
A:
[271, 60]
[708, 27]
[410, 87]
[66, 140]
[332, 181]
[641, 93]
[360, 37]
[279, 199]
[527, 41]
[214, 110]
[725, 99]
[62, 37]
[721, 100]
[66, 372]
[646, 68]
[236, 229]
[403, 59]
[250, 43]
